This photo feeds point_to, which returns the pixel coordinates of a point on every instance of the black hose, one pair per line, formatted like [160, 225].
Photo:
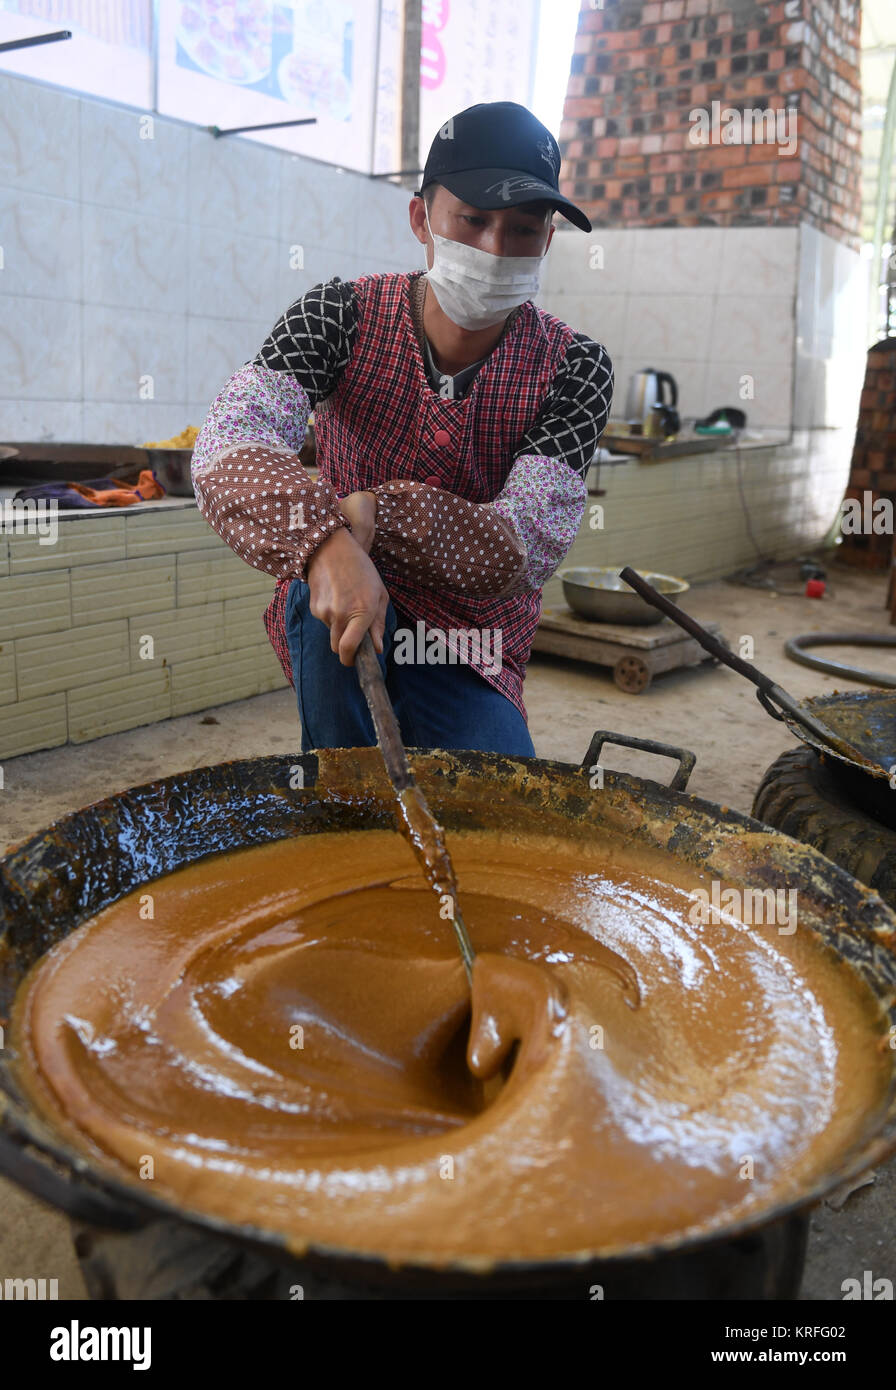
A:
[796, 650]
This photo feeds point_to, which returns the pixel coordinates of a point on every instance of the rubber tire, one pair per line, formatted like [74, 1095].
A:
[799, 796]
[173, 1261]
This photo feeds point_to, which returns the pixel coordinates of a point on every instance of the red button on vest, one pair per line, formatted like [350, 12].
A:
[442, 438]
[432, 480]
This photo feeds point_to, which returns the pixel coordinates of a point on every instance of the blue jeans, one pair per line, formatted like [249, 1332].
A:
[439, 706]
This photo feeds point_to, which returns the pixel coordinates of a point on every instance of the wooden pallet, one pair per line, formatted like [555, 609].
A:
[636, 654]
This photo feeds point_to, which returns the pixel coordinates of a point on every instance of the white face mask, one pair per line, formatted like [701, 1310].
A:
[477, 289]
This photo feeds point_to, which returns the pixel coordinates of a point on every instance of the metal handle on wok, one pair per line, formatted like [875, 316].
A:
[767, 693]
[685, 758]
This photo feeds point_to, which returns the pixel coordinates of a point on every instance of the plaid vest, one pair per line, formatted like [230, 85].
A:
[384, 421]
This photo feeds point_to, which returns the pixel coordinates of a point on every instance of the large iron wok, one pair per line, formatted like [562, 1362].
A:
[59, 878]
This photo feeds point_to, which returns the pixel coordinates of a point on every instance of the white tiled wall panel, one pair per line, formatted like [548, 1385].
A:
[66, 660]
[31, 724]
[126, 702]
[8, 692]
[86, 540]
[128, 258]
[220, 572]
[179, 635]
[211, 680]
[765, 318]
[29, 606]
[126, 620]
[687, 517]
[123, 589]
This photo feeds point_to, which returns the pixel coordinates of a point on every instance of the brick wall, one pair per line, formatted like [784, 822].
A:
[640, 67]
[873, 471]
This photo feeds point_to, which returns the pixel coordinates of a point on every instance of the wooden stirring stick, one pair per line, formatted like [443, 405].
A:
[416, 821]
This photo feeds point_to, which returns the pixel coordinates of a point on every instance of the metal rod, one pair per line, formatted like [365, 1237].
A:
[55, 37]
[769, 693]
[268, 125]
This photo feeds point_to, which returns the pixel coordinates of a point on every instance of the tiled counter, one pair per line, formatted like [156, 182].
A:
[75, 616]
[75, 662]
[702, 516]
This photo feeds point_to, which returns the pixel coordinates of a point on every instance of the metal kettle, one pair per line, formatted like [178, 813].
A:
[646, 390]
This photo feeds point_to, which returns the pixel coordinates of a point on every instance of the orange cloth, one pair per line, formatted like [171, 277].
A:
[123, 494]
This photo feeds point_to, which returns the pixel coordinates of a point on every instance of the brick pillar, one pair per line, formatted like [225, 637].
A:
[642, 67]
[873, 471]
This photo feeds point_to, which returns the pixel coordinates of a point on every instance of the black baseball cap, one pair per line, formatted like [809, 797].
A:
[497, 155]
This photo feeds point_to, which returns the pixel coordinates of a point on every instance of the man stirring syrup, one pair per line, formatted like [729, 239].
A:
[455, 424]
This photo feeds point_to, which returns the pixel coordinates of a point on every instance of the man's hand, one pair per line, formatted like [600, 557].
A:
[359, 509]
[347, 594]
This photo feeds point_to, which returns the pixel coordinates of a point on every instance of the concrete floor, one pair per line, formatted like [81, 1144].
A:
[710, 710]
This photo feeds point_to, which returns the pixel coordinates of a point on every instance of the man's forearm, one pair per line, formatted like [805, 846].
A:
[443, 541]
[511, 545]
[267, 508]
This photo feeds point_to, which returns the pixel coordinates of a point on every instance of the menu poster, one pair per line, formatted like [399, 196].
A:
[472, 52]
[229, 63]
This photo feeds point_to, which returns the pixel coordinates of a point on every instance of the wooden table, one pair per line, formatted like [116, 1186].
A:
[636, 654]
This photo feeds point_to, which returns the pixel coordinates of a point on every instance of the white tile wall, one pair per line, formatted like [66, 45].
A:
[122, 168]
[40, 420]
[167, 257]
[65, 660]
[86, 540]
[30, 724]
[40, 349]
[125, 702]
[8, 691]
[122, 588]
[217, 347]
[39, 139]
[832, 292]
[708, 304]
[129, 354]
[676, 260]
[211, 680]
[153, 533]
[673, 325]
[74, 616]
[234, 184]
[28, 608]
[41, 245]
[220, 572]
[232, 276]
[686, 517]
[180, 634]
[134, 260]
